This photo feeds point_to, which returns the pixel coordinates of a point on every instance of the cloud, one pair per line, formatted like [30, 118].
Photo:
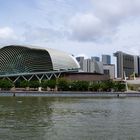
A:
[9, 36]
[85, 27]
[77, 26]
[40, 34]
[7, 33]
[103, 20]
[115, 11]
[110, 25]
[127, 37]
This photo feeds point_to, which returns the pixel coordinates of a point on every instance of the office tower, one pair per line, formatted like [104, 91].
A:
[80, 60]
[106, 59]
[137, 65]
[125, 64]
[95, 58]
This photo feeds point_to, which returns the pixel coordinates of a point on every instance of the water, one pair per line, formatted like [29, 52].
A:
[42, 118]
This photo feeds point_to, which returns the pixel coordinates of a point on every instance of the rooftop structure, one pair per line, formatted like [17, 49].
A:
[16, 59]
[19, 63]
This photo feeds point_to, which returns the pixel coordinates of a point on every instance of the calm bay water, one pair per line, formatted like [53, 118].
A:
[42, 118]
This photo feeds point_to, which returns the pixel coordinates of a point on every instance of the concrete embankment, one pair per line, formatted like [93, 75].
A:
[69, 94]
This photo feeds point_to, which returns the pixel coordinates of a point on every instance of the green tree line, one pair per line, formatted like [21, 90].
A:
[65, 85]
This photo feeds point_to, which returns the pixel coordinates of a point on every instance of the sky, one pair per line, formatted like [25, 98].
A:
[79, 27]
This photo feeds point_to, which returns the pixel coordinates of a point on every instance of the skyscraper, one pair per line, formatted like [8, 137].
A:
[96, 58]
[106, 59]
[127, 64]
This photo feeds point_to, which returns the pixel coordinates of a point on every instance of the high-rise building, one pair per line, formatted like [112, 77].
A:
[127, 64]
[80, 60]
[137, 65]
[106, 59]
[95, 58]
[92, 66]
[87, 65]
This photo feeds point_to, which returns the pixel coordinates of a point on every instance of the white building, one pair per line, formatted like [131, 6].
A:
[92, 66]
[109, 70]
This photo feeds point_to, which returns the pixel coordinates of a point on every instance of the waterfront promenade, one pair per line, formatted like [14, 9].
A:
[69, 94]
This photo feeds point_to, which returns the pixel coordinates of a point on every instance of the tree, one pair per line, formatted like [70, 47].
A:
[118, 86]
[80, 85]
[34, 84]
[44, 84]
[106, 85]
[103, 86]
[6, 84]
[94, 86]
[24, 84]
[51, 84]
[62, 84]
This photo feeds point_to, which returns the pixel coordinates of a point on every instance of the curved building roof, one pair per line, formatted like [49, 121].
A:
[15, 59]
[62, 60]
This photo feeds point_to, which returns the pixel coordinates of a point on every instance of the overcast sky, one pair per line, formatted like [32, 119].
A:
[80, 27]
